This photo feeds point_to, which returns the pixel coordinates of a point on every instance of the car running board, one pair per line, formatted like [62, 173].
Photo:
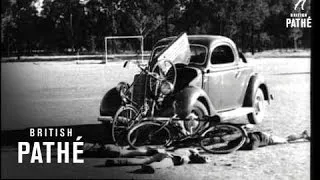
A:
[105, 119]
[228, 115]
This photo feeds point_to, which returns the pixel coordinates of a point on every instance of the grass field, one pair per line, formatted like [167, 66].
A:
[64, 93]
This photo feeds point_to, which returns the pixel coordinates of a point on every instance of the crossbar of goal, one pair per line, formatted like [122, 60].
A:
[123, 37]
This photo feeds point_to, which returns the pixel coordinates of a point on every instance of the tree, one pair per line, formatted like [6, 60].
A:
[254, 14]
[295, 34]
[19, 22]
[144, 16]
[8, 27]
[83, 24]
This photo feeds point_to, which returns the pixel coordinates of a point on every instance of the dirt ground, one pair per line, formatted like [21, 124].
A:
[64, 93]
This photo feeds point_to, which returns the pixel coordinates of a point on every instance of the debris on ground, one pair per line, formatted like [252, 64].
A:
[149, 159]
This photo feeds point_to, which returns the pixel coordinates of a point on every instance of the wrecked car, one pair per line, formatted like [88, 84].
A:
[213, 79]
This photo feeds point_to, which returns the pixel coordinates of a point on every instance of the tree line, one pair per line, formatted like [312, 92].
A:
[69, 26]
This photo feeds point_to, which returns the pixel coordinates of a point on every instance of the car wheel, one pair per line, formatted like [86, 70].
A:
[259, 105]
[198, 111]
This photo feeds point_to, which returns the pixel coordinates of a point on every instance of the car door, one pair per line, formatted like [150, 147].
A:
[225, 79]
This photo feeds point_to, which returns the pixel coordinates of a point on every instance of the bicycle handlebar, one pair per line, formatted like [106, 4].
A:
[152, 74]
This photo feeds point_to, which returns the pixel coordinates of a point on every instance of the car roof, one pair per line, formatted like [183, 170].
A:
[204, 40]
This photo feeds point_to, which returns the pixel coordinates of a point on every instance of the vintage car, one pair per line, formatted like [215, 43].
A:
[217, 80]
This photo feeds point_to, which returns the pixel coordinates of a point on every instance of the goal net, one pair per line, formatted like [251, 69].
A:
[122, 48]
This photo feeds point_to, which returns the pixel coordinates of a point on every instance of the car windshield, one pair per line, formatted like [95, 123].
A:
[198, 53]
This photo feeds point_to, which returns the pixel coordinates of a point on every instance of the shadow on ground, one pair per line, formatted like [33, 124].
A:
[91, 133]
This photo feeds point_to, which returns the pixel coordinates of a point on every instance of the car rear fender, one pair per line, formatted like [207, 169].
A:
[256, 81]
[187, 97]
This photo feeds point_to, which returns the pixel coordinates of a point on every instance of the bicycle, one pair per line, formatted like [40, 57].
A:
[161, 82]
[214, 137]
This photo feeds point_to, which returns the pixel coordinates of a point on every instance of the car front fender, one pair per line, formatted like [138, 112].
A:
[110, 103]
[186, 99]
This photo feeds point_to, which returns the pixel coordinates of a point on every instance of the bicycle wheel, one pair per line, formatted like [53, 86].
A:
[223, 138]
[122, 122]
[149, 134]
[166, 71]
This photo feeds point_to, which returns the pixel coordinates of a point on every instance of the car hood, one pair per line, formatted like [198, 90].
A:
[178, 51]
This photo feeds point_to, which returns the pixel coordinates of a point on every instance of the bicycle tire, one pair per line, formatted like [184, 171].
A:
[146, 134]
[170, 75]
[122, 123]
[215, 139]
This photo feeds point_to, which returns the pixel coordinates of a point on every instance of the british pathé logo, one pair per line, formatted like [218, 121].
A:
[300, 2]
[61, 149]
[299, 18]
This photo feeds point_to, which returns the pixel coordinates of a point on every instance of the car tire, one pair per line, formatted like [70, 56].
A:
[258, 102]
[199, 110]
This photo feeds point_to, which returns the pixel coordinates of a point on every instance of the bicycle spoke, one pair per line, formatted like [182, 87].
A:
[148, 134]
[167, 72]
[122, 122]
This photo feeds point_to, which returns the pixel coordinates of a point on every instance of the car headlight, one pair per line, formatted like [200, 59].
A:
[122, 86]
[166, 87]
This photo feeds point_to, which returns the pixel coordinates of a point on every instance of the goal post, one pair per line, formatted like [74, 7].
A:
[123, 41]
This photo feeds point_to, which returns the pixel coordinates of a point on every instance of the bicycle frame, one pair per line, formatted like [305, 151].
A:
[126, 100]
[167, 121]
[150, 102]
[145, 107]
[213, 137]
